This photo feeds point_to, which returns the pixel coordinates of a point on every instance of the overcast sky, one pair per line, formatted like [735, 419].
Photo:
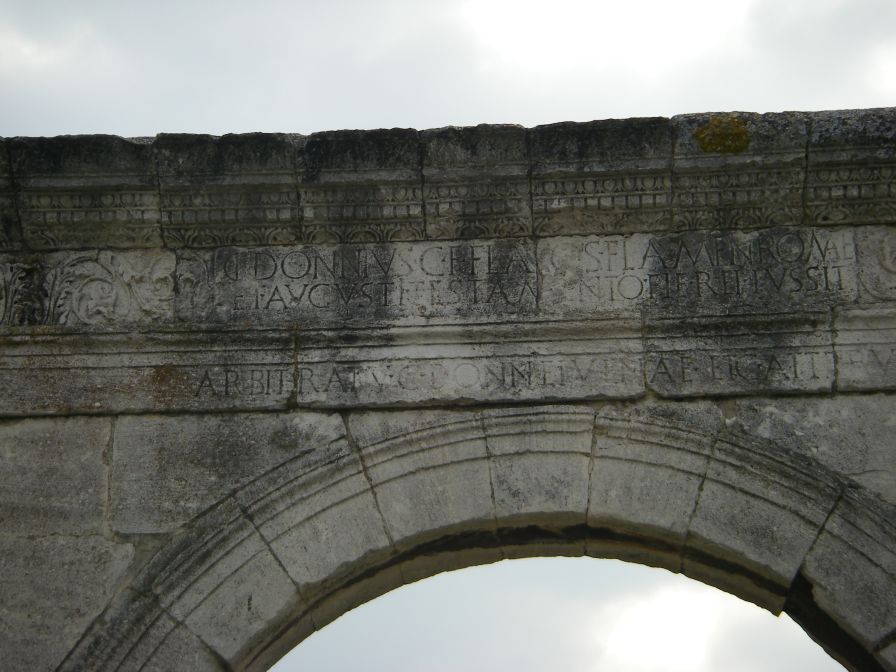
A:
[559, 615]
[140, 68]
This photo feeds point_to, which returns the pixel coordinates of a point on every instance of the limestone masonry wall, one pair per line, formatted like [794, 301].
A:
[293, 372]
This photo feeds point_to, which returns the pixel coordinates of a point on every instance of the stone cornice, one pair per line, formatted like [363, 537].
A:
[696, 171]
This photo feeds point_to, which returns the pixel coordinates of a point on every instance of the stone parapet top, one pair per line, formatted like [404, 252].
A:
[694, 171]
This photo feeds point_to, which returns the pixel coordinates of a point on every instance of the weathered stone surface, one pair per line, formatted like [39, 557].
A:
[116, 373]
[852, 167]
[318, 514]
[50, 590]
[725, 356]
[180, 649]
[430, 471]
[158, 642]
[361, 186]
[768, 527]
[851, 435]
[888, 655]
[540, 459]
[611, 176]
[876, 248]
[856, 589]
[513, 368]
[109, 289]
[165, 470]
[10, 229]
[678, 274]
[86, 192]
[53, 476]
[232, 190]
[739, 170]
[230, 594]
[459, 202]
[251, 599]
[93, 289]
[646, 477]
[327, 286]
[865, 345]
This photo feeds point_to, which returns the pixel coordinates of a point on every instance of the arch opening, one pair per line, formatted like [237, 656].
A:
[574, 614]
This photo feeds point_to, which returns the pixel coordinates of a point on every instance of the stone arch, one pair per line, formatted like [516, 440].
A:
[201, 337]
[404, 495]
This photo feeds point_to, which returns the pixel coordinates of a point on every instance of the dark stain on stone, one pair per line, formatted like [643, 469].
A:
[723, 134]
[167, 382]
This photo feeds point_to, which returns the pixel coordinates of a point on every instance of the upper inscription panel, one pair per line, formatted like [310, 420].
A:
[312, 287]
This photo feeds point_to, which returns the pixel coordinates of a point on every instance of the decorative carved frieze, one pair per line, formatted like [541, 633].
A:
[232, 190]
[459, 202]
[852, 168]
[361, 187]
[738, 171]
[601, 177]
[86, 192]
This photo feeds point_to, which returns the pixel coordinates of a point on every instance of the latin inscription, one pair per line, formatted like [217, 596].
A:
[243, 382]
[764, 367]
[718, 270]
[498, 373]
[737, 370]
[317, 380]
[378, 281]
[321, 286]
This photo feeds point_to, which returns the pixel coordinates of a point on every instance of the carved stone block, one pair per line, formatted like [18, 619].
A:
[723, 356]
[720, 272]
[876, 250]
[852, 168]
[66, 452]
[533, 451]
[204, 456]
[476, 182]
[865, 345]
[472, 370]
[769, 526]
[106, 289]
[417, 461]
[55, 375]
[738, 170]
[86, 192]
[325, 286]
[10, 229]
[51, 589]
[361, 187]
[229, 190]
[612, 176]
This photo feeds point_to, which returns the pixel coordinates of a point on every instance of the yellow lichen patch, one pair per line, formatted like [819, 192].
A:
[723, 134]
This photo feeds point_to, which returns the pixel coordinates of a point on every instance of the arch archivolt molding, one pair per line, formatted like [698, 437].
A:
[393, 497]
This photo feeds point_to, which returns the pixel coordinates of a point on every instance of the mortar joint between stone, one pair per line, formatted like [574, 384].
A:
[355, 447]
